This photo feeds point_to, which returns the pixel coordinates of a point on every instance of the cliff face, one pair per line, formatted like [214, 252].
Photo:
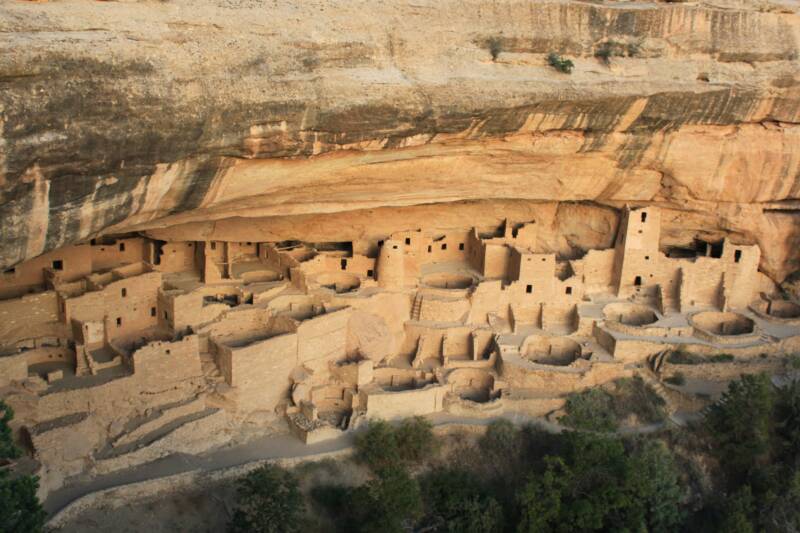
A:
[328, 120]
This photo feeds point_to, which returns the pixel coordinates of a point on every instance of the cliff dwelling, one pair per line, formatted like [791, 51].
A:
[142, 345]
[233, 227]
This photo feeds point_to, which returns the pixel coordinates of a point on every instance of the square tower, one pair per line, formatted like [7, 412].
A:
[636, 261]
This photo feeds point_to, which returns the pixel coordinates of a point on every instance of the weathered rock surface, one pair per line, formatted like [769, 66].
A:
[207, 118]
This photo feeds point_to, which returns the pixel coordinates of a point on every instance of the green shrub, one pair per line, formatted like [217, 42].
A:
[676, 379]
[8, 450]
[595, 484]
[386, 503]
[610, 49]
[500, 438]
[268, 501]
[456, 502]
[559, 63]
[591, 410]
[495, 46]
[680, 357]
[382, 445]
[634, 396]
[721, 358]
[633, 49]
[600, 410]
[377, 446]
[20, 509]
[415, 440]
[794, 361]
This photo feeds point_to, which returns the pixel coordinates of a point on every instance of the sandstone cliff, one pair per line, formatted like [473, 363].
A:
[336, 120]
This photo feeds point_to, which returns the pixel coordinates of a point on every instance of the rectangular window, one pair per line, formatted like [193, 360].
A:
[737, 256]
[152, 311]
[119, 321]
[644, 217]
[444, 247]
[58, 264]
[461, 246]
[429, 248]
[124, 292]
[637, 280]
[344, 264]
[408, 240]
[569, 290]
[369, 273]
[122, 247]
[166, 316]
[529, 289]
[213, 245]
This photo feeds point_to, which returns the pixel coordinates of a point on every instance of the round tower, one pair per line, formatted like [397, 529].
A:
[390, 267]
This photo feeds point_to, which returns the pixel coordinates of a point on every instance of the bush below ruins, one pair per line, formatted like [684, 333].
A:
[603, 409]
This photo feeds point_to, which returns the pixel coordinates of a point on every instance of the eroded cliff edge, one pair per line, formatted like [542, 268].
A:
[297, 119]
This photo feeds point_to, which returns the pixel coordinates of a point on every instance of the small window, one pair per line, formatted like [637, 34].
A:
[213, 245]
[344, 264]
[737, 256]
[167, 352]
[124, 292]
[122, 247]
[568, 290]
[380, 243]
[430, 248]
[93, 242]
[408, 240]
[461, 246]
[644, 216]
[152, 311]
[544, 259]
[369, 273]
[248, 244]
[529, 289]
[166, 315]
[637, 280]
[444, 246]
[119, 321]
[394, 247]
[58, 264]
[647, 258]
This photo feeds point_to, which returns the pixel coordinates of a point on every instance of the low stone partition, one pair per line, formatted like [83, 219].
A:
[388, 405]
[457, 406]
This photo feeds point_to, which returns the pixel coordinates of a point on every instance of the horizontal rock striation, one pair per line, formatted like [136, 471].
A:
[209, 116]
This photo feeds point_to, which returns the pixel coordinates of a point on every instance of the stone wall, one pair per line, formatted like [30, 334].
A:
[26, 315]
